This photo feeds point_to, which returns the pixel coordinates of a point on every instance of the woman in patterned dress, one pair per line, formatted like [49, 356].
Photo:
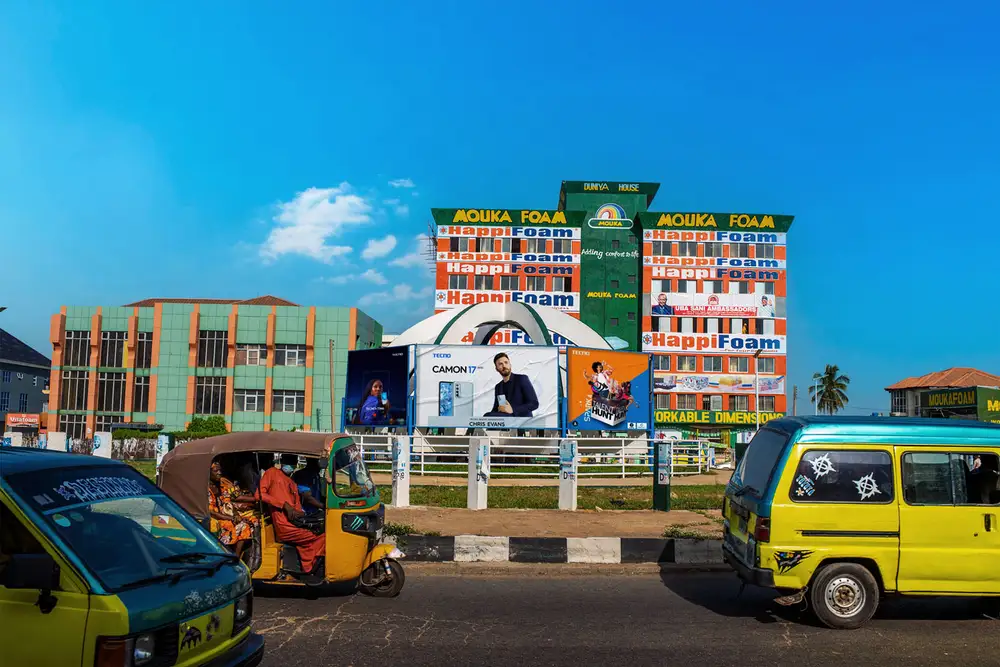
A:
[231, 510]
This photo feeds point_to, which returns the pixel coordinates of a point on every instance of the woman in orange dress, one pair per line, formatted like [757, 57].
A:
[230, 509]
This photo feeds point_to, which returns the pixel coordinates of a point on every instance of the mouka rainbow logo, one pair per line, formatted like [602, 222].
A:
[610, 216]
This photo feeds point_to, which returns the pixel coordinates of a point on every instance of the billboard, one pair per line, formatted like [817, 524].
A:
[607, 390]
[487, 386]
[376, 393]
[721, 342]
[454, 298]
[717, 384]
[718, 417]
[666, 304]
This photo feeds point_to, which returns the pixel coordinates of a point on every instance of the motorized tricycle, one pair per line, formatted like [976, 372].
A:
[352, 521]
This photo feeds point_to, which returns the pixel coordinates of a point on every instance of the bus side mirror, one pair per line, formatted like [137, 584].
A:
[34, 571]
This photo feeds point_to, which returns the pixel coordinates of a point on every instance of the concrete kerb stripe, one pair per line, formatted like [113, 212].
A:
[595, 550]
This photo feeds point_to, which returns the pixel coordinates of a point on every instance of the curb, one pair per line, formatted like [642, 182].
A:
[594, 550]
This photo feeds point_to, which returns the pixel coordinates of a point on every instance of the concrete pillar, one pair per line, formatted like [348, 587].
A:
[102, 444]
[400, 471]
[479, 472]
[57, 442]
[162, 447]
[569, 464]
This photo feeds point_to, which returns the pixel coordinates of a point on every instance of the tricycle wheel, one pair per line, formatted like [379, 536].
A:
[384, 587]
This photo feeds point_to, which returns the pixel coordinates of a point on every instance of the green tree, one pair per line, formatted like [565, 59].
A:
[829, 390]
[214, 424]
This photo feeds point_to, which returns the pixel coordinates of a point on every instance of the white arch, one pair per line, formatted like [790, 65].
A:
[537, 322]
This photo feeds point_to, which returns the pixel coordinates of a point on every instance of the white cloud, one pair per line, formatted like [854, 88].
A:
[304, 224]
[400, 295]
[339, 280]
[376, 248]
[402, 183]
[400, 209]
[371, 275]
[415, 259]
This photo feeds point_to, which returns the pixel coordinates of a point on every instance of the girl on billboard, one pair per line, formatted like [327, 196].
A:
[373, 409]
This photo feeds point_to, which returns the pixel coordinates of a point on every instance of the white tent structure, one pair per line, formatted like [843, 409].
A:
[538, 322]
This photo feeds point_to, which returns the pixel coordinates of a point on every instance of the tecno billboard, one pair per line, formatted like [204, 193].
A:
[607, 390]
[656, 341]
[487, 386]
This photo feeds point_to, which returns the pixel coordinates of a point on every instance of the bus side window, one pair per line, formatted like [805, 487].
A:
[15, 538]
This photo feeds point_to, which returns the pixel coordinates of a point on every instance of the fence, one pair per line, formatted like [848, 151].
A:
[538, 458]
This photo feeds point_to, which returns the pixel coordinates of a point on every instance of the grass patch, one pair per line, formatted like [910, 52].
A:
[683, 532]
[696, 497]
[146, 466]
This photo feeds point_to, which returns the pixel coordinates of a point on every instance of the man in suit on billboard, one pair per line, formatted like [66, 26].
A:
[513, 396]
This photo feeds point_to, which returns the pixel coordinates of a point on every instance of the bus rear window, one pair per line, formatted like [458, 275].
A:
[757, 466]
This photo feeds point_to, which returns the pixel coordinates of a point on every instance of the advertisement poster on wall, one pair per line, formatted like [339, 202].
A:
[376, 392]
[487, 386]
[717, 384]
[607, 390]
[667, 304]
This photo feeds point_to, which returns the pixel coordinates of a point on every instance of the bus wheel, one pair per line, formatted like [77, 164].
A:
[844, 595]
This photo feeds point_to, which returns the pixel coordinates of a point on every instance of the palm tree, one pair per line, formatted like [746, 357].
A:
[830, 389]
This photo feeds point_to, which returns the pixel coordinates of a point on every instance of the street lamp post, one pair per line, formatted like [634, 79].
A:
[756, 386]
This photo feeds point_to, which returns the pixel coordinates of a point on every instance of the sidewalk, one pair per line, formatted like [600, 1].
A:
[718, 477]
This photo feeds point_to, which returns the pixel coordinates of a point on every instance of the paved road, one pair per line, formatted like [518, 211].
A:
[529, 618]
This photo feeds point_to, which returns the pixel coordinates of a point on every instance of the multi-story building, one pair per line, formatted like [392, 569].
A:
[24, 383]
[602, 257]
[262, 363]
[963, 393]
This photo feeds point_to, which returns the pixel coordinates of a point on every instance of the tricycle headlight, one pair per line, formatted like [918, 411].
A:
[143, 649]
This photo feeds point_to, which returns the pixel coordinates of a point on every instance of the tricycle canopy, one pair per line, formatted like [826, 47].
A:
[184, 471]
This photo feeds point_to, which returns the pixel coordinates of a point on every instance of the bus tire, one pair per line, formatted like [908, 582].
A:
[844, 596]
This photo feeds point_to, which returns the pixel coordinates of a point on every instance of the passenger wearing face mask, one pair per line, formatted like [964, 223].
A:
[282, 494]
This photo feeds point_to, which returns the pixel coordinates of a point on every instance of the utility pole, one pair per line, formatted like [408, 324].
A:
[333, 427]
[795, 398]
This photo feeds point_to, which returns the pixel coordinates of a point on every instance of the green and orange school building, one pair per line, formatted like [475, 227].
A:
[261, 363]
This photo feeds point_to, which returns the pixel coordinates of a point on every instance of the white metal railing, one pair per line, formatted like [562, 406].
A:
[538, 457]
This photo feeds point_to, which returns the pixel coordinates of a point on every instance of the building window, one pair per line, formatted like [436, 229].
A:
[103, 423]
[631, 279]
[77, 352]
[739, 249]
[769, 288]
[457, 282]
[713, 249]
[504, 245]
[289, 355]
[768, 327]
[250, 400]
[687, 249]
[210, 396]
[111, 392]
[288, 401]
[662, 401]
[631, 317]
[453, 244]
[687, 325]
[614, 284]
[4, 401]
[74, 426]
[536, 283]
[562, 245]
[73, 393]
[711, 287]
[831, 476]
[737, 326]
[661, 248]
[765, 365]
[687, 364]
[6, 377]
[112, 349]
[251, 354]
[614, 321]
[144, 349]
[687, 286]
[739, 403]
[508, 283]
[687, 402]
[140, 394]
[764, 251]
[615, 244]
[739, 365]
[710, 402]
[484, 282]
[766, 403]
[212, 349]
[562, 284]
[899, 402]
[484, 245]
[712, 364]
[534, 245]
[661, 362]
[713, 325]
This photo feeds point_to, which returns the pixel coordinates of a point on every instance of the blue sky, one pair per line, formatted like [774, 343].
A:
[231, 149]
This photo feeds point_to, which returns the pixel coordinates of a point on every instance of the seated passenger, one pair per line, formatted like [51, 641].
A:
[231, 509]
[308, 481]
[279, 491]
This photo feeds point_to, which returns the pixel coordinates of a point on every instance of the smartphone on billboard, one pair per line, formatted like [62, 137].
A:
[463, 399]
[502, 400]
[446, 397]
[385, 396]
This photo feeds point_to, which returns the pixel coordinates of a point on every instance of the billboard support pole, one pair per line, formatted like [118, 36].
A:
[651, 429]
[479, 472]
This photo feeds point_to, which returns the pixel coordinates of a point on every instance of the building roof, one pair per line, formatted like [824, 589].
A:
[951, 377]
[266, 300]
[15, 351]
